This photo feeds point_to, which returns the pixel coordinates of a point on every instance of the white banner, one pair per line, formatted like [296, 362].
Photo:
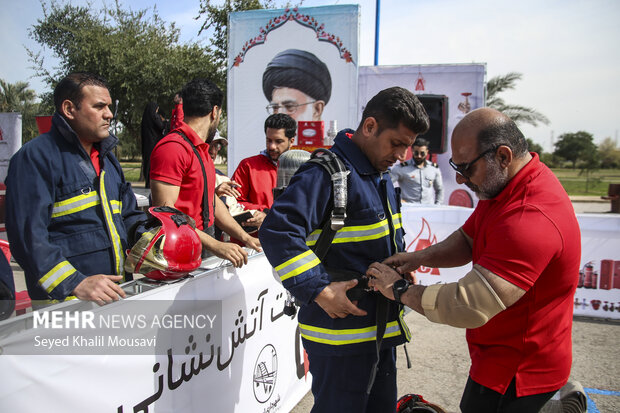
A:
[598, 294]
[10, 139]
[258, 366]
[463, 84]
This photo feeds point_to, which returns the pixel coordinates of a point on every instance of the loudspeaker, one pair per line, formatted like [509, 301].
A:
[437, 109]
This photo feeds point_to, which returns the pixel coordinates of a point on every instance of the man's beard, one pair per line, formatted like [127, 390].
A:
[211, 133]
[418, 161]
[495, 182]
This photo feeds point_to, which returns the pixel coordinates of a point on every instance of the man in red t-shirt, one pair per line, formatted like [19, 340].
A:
[524, 243]
[257, 174]
[177, 112]
[180, 163]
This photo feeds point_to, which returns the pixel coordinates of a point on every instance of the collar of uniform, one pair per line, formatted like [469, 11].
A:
[345, 147]
[526, 174]
[65, 130]
[266, 155]
[192, 135]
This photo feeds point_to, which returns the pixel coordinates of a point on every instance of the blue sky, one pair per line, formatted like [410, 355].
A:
[567, 50]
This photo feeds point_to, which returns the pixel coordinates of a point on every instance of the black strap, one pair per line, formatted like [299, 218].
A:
[205, 189]
[383, 305]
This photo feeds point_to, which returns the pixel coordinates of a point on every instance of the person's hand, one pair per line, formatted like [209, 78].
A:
[334, 301]
[255, 221]
[100, 288]
[403, 262]
[382, 278]
[231, 252]
[253, 243]
[411, 277]
[228, 188]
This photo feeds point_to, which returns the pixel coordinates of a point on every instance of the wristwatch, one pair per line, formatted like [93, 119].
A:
[399, 288]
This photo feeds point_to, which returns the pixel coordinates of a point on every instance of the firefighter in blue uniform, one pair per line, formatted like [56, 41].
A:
[70, 213]
[340, 335]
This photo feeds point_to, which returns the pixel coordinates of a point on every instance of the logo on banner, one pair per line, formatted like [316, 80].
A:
[424, 239]
[265, 372]
[419, 84]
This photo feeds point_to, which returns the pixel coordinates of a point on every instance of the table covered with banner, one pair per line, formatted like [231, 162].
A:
[215, 342]
[219, 341]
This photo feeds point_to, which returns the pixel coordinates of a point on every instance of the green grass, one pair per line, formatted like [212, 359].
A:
[575, 184]
[132, 170]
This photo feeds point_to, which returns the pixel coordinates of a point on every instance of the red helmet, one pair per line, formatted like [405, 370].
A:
[169, 249]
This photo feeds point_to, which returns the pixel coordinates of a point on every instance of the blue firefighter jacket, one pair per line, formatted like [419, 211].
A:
[372, 232]
[63, 221]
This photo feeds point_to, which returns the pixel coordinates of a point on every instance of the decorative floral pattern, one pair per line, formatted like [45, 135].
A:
[303, 19]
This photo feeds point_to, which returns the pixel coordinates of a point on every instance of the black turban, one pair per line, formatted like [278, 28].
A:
[301, 70]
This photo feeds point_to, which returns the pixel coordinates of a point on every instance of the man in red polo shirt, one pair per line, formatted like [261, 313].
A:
[524, 242]
[180, 164]
[258, 174]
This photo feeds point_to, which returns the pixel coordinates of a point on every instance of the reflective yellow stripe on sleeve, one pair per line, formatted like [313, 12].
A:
[357, 233]
[116, 239]
[397, 219]
[75, 204]
[56, 275]
[297, 265]
[346, 336]
[117, 206]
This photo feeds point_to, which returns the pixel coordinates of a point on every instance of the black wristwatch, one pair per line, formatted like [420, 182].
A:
[399, 288]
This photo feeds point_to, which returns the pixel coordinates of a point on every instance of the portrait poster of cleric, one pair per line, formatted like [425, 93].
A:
[298, 61]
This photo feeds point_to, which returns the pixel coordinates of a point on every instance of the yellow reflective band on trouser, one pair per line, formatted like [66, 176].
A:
[56, 275]
[117, 206]
[297, 265]
[347, 336]
[75, 204]
[116, 240]
[357, 233]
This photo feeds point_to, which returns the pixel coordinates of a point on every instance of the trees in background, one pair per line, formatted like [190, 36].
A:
[577, 146]
[138, 53]
[609, 153]
[17, 97]
[519, 114]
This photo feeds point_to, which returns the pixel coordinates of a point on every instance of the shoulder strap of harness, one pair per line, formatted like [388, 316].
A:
[338, 173]
[205, 191]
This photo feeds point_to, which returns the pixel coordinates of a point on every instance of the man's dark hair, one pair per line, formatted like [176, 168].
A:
[282, 121]
[298, 69]
[199, 97]
[70, 88]
[421, 142]
[502, 132]
[394, 106]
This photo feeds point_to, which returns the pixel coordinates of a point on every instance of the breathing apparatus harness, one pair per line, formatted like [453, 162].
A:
[338, 173]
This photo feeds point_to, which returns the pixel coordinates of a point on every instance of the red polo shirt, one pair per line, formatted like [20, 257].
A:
[529, 236]
[173, 161]
[257, 176]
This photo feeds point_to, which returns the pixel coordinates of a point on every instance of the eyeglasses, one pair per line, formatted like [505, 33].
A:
[463, 168]
[287, 107]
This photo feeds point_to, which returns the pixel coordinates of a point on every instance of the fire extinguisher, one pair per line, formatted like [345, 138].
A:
[588, 270]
